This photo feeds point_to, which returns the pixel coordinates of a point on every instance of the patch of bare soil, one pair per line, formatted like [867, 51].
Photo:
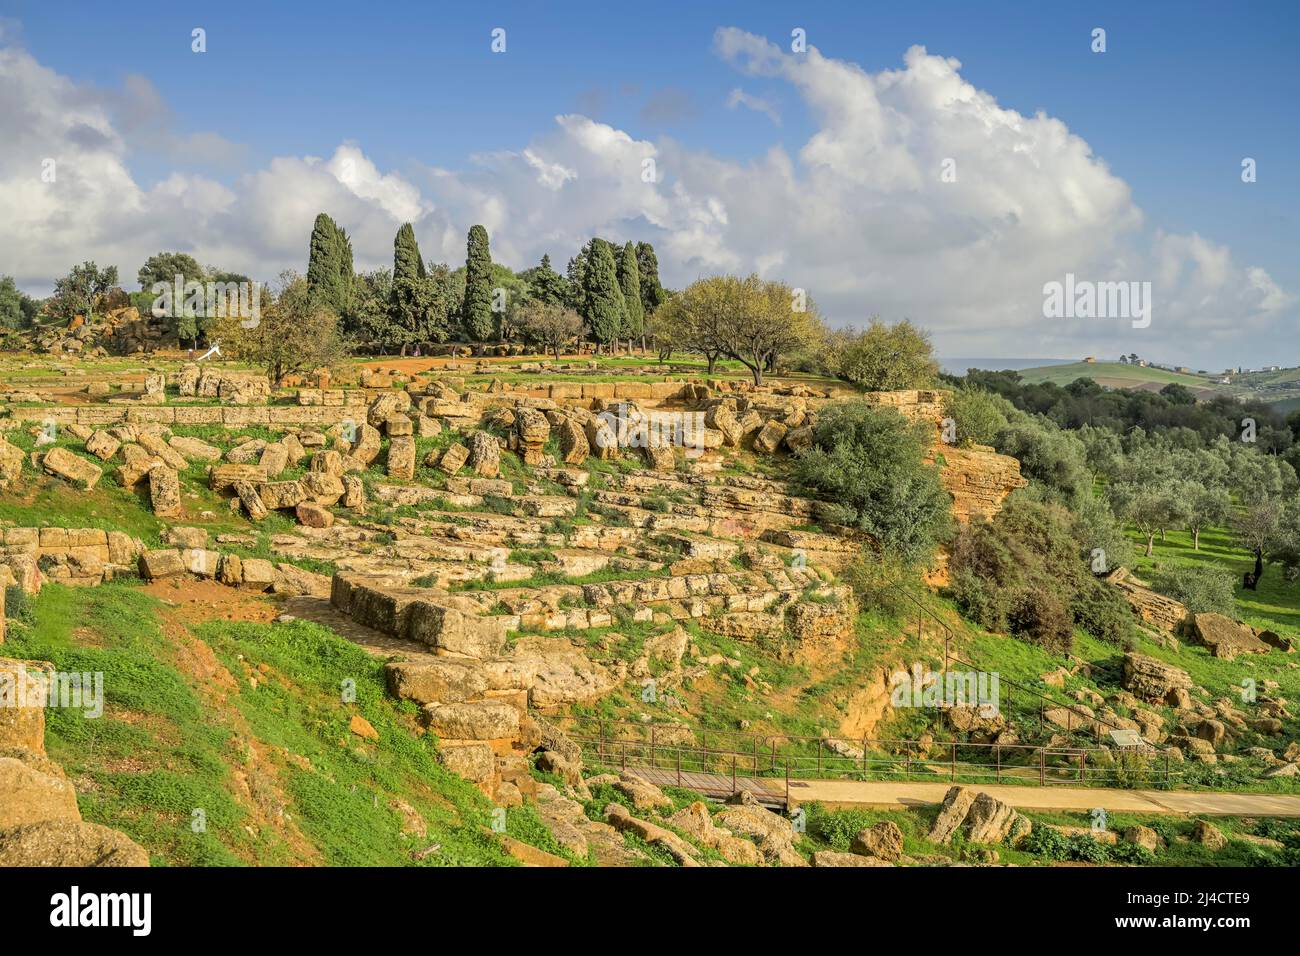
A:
[320, 611]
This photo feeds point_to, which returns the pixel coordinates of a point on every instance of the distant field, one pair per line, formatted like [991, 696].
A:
[1115, 375]
[1287, 406]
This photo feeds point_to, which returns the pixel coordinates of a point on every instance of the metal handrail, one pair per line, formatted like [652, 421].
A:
[1027, 762]
[949, 656]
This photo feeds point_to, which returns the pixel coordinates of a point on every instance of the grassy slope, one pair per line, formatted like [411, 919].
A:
[1111, 373]
[165, 747]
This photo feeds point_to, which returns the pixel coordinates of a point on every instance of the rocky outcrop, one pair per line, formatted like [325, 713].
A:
[40, 823]
[884, 841]
[978, 478]
[1153, 680]
[1225, 637]
[985, 818]
[1153, 609]
[924, 405]
[773, 833]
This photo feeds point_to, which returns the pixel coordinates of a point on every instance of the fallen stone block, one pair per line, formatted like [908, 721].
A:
[222, 477]
[251, 500]
[64, 464]
[165, 491]
[454, 458]
[314, 516]
[165, 563]
[278, 495]
[484, 455]
[401, 458]
[258, 574]
[102, 445]
[477, 720]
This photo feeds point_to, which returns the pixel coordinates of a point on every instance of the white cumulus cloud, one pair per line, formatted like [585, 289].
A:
[916, 195]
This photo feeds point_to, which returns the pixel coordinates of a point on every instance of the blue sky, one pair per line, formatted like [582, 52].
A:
[1182, 94]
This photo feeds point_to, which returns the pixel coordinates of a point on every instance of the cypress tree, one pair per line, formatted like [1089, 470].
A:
[476, 313]
[414, 297]
[324, 263]
[576, 273]
[629, 280]
[547, 285]
[652, 293]
[347, 274]
[407, 263]
[603, 299]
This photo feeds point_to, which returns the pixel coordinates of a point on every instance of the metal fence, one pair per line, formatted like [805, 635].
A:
[720, 763]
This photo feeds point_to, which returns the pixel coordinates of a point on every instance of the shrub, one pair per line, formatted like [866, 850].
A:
[979, 415]
[18, 604]
[837, 828]
[1053, 845]
[871, 463]
[1201, 589]
[1048, 455]
[1041, 616]
[876, 578]
[1102, 611]
[981, 600]
[1023, 573]
[882, 357]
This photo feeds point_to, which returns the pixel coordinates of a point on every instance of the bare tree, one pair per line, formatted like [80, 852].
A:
[554, 326]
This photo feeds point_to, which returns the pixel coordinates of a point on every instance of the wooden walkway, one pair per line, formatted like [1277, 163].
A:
[769, 790]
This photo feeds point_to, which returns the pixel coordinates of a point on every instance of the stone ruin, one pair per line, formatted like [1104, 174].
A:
[676, 536]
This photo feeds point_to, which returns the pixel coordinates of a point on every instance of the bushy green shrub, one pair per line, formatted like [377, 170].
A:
[1051, 844]
[981, 600]
[1024, 573]
[1102, 611]
[1048, 455]
[1201, 589]
[1040, 615]
[876, 580]
[978, 415]
[837, 828]
[870, 463]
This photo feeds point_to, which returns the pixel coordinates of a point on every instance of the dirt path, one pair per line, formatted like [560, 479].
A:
[255, 778]
[890, 795]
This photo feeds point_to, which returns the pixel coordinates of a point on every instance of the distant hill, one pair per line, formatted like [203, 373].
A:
[959, 366]
[1280, 389]
[1118, 375]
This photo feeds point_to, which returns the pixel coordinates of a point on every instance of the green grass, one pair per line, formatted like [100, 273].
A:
[153, 757]
[43, 501]
[835, 830]
[1275, 605]
[160, 751]
[1113, 373]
